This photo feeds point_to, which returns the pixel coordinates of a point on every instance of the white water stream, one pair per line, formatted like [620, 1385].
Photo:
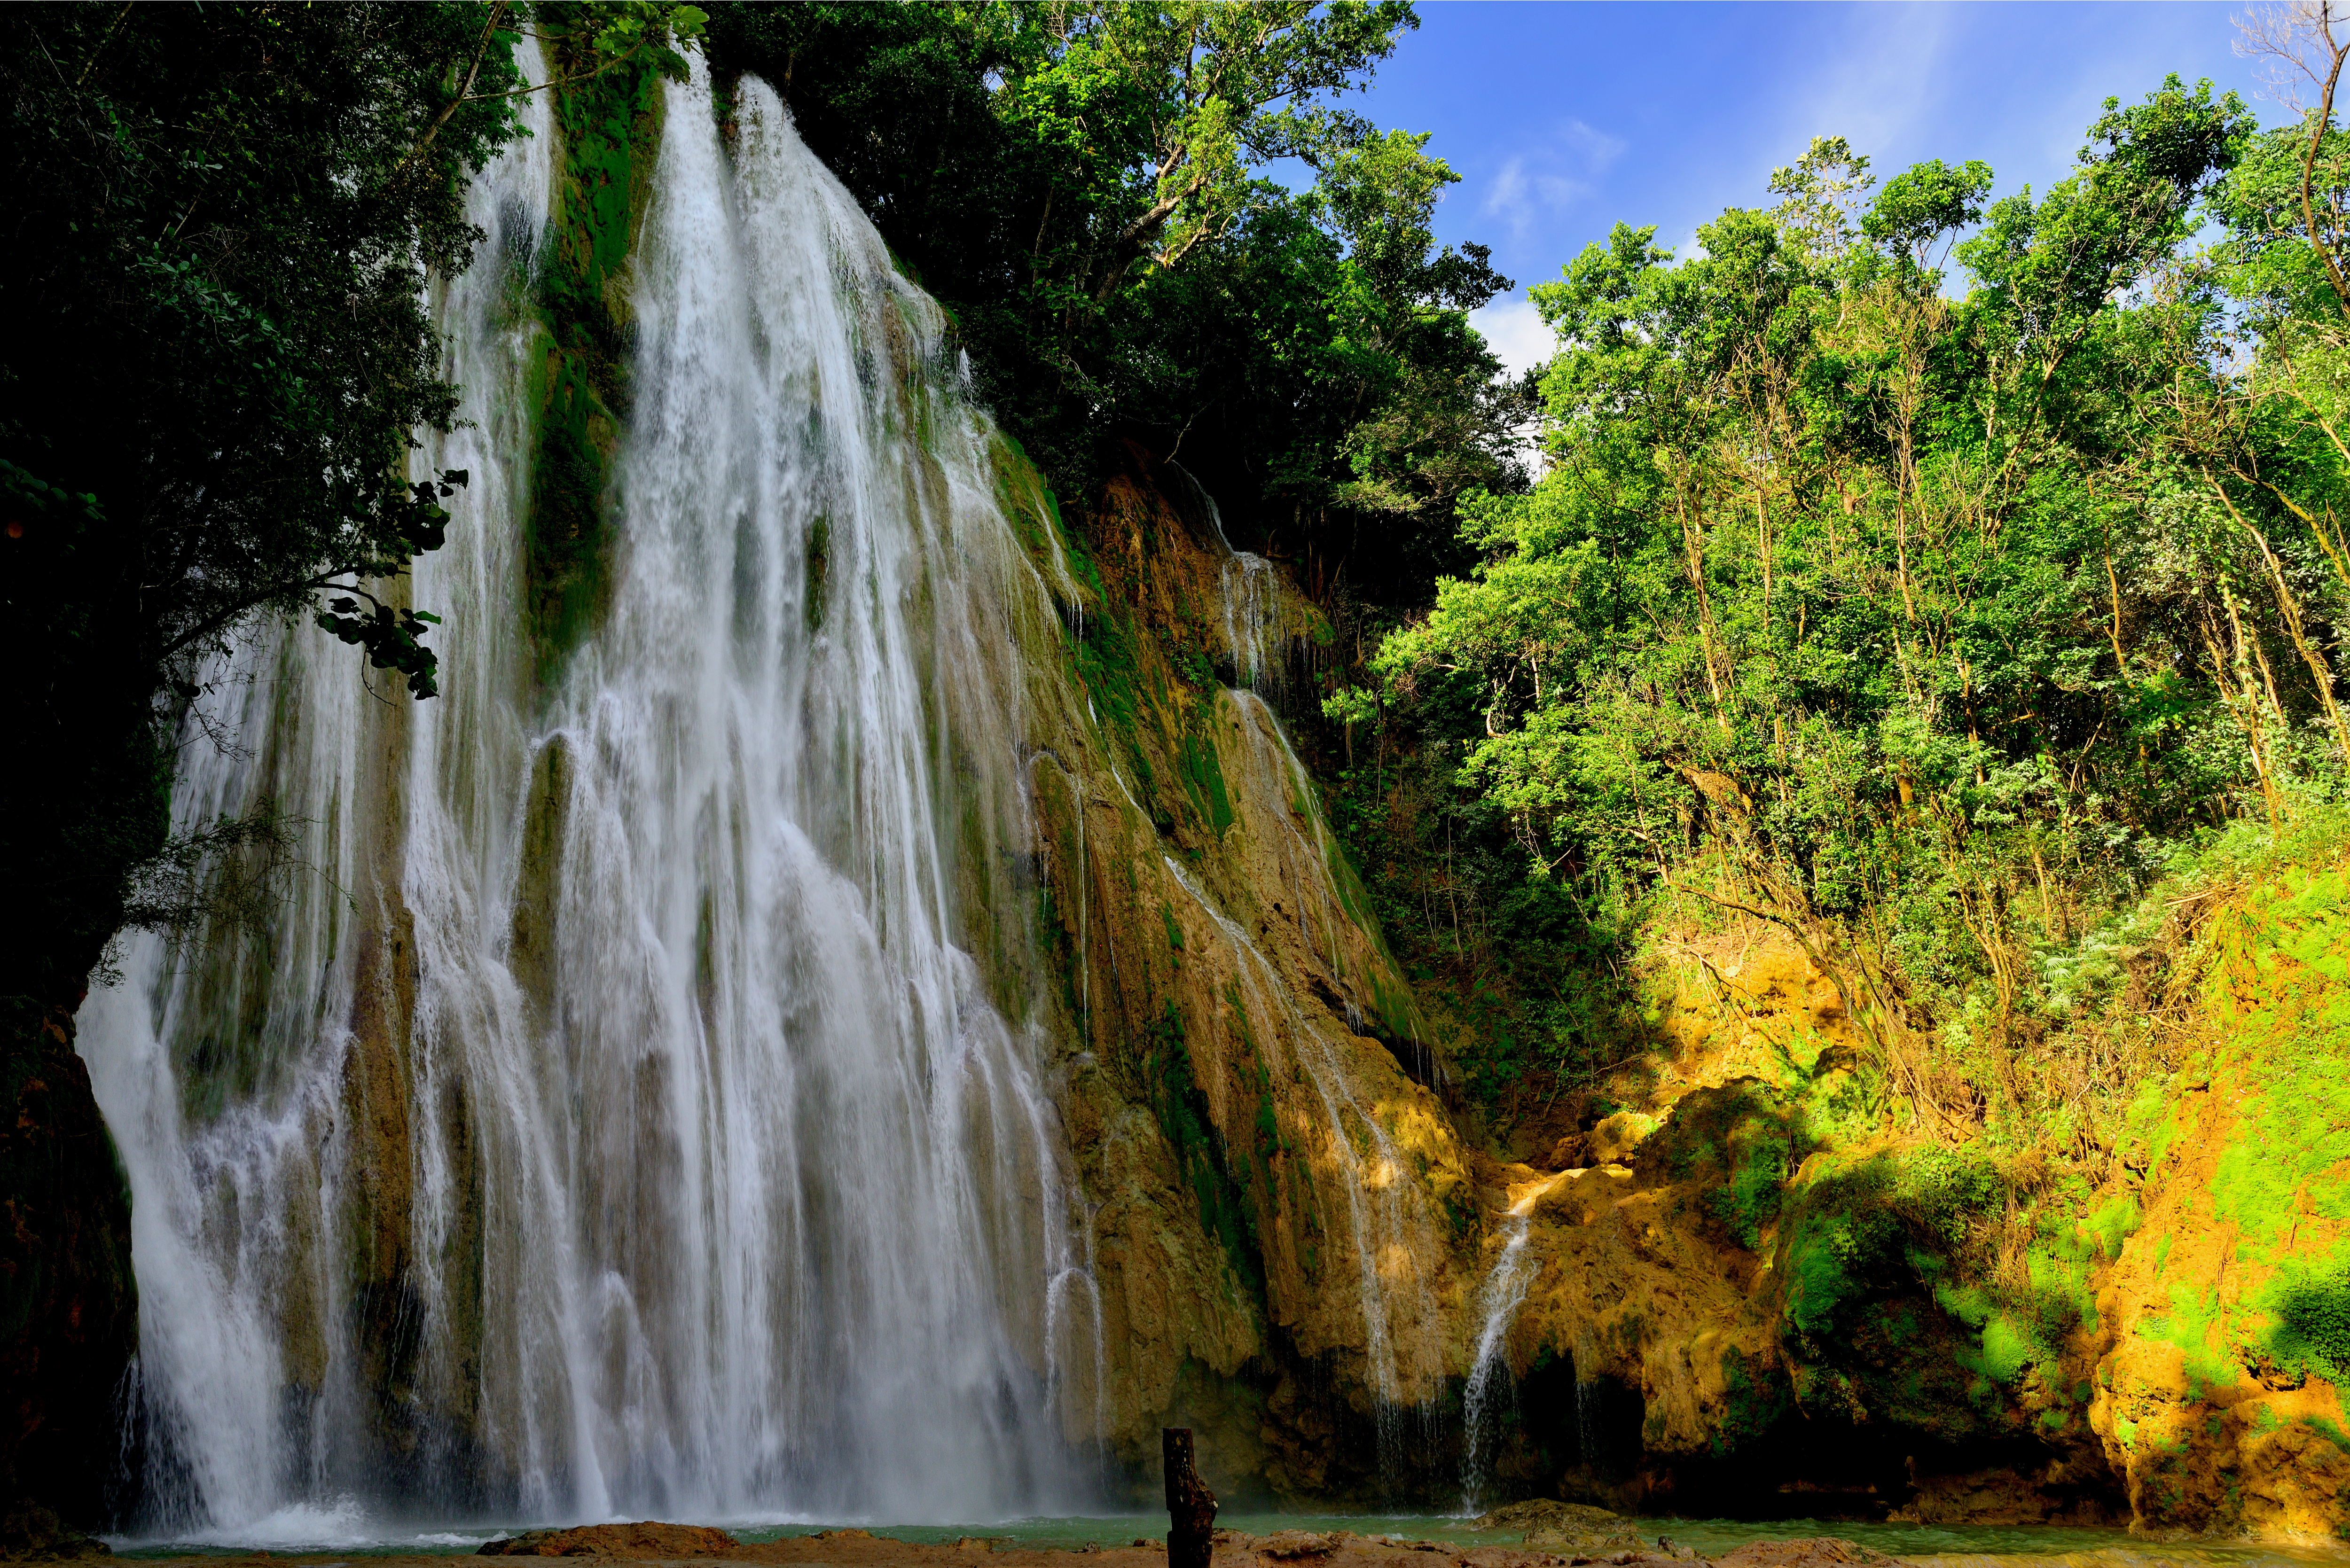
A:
[1256, 633]
[618, 1119]
[1504, 1293]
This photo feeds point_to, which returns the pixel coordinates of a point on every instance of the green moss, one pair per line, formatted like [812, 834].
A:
[2195, 1313]
[1204, 777]
[1755, 1397]
[1182, 1112]
[2113, 1224]
[818, 571]
[609, 124]
[2308, 1306]
[1759, 1165]
[2008, 1347]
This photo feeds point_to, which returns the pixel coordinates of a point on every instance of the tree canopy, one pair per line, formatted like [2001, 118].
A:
[1926, 618]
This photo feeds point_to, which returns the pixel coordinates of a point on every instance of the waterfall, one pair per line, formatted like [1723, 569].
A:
[1249, 592]
[638, 1105]
[1503, 1293]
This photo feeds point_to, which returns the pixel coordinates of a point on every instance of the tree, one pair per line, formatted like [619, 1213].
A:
[1917, 627]
[216, 257]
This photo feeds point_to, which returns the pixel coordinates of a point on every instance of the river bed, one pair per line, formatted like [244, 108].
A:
[313, 1532]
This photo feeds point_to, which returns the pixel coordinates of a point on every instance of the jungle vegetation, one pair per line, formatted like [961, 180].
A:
[1934, 577]
[214, 264]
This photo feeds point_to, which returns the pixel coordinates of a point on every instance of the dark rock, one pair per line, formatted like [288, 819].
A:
[68, 1303]
[32, 1533]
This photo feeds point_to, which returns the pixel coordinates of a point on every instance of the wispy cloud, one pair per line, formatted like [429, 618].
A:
[1512, 328]
[1880, 79]
[1546, 179]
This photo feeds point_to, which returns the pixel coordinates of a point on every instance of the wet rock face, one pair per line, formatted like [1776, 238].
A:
[1283, 1210]
[68, 1305]
[2217, 1391]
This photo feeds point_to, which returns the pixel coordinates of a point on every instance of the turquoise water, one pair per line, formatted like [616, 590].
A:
[332, 1530]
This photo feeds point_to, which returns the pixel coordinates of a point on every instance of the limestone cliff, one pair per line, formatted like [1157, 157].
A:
[1285, 1226]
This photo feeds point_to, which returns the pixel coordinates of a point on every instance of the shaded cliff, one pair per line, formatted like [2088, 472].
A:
[68, 1303]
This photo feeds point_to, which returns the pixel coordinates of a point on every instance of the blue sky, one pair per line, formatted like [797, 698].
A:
[1563, 118]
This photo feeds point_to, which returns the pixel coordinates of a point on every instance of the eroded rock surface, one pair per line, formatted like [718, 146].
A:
[646, 1539]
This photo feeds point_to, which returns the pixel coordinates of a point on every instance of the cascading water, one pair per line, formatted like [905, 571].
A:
[1256, 628]
[1504, 1293]
[637, 1110]
[1392, 1231]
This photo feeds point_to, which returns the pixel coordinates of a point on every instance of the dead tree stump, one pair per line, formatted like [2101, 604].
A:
[1191, 1506]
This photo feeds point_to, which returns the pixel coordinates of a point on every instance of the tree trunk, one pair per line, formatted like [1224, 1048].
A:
[1191, 1506]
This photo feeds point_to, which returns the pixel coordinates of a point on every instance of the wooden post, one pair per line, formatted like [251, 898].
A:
[1191, 1506]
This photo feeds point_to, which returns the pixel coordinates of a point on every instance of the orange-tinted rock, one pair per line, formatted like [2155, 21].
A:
[647, 1538]
[1805, 1552]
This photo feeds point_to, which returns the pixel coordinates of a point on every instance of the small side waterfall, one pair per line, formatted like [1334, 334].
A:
[643, 1108]
[1257, 630]
[1503, 1293]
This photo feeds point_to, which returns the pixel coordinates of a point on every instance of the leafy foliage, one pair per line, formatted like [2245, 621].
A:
[222, 224]
[1929, 627]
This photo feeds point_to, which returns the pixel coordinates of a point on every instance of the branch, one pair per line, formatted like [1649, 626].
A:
[464, 93]
[2321, 122]
[221, 619]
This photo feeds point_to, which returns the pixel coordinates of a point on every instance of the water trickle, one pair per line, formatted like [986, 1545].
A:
[1503, 1293]
[1587, 1380]
[1391, 1227]
[658, 1124]
[1257, 631]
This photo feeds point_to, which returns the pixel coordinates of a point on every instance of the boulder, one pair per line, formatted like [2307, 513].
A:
[1803, 1552]
[1547, 1511]
[648, 1538]
[1574, 1528]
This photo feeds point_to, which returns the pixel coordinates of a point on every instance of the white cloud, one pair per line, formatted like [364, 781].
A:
[1877, 86]
[1550, 178]
[1514, 329]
